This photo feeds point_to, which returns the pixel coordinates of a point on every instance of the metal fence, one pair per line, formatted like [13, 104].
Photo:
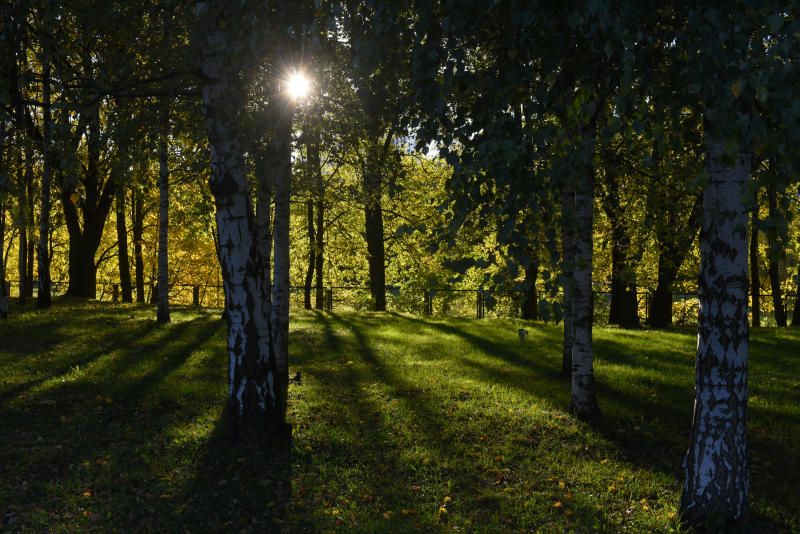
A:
[441, 301]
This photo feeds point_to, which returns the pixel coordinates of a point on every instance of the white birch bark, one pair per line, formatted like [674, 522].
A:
[584, 403]
[255, 389]
[716, 482]
[162, 313]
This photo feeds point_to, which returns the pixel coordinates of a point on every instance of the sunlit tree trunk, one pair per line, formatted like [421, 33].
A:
[44, 297]
[3, 177]
[584, 403]
[256, 387]
[162, 313]
[315, 164]
[137, 221]
[716, 484]
[755, 278]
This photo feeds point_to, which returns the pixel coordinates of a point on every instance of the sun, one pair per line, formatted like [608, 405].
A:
[298, 85]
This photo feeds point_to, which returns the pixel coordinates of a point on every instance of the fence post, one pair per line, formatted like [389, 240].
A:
[329, 299]
[196, 296]
[115, 293]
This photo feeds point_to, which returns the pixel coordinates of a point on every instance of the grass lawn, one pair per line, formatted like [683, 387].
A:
[109, 422]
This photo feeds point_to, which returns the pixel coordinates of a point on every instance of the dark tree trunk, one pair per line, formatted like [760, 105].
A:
[373, 211]
[716, 484]
[257, 380]
[84, 240]
[44, 297]
[755, 278]
[775, 253]
[122, 248]
[624, 310]
[568, 258]
[3, 299]
[22, 247]
[312, 256]
[673, 248]
[796, 312]
[264, 182]
[319, 212]
[162, 313]
[530, 301]
[138, 232]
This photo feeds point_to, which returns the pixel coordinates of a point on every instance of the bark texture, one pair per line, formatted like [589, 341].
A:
[584, 403]
[716, 484]
[776, 253]
[530, 301]
[256, 387]
[123, 258]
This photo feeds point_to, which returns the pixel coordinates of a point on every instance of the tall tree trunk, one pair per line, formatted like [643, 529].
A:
[673, 248]
[775, 253]
[44, 297]
[282, 160]
[3, 299]
[122, 248]
[568, 255]
[373, 211]
[84, 239]
[162, 313]
[530, 302]
[22, 247]
[264, 180]
[257, 385]
[796, 312]
[315, 164]
[584, 403]
[716, 471]
[624, 309]
[755, 278]
[312, 254]
[138, 236]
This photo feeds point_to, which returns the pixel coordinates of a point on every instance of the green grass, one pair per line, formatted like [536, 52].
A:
[113, 423]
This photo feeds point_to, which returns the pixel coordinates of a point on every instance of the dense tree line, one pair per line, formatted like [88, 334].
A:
[553, 149]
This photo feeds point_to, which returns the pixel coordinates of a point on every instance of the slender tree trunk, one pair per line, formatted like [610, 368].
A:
[319, 211]
[568, 255]
[282, 160]
[312, 255]
[775, 253]
[162, 313]
[138, 233]
[584, 403]
[530, 303]
[716, 482]
[122, 248]
[44, 297]
[755, 278]
[796, 312]
[22, 250]
[257, 385]
[3, 299]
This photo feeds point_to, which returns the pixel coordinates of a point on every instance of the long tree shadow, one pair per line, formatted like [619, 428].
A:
[431, 416]
[104, 429]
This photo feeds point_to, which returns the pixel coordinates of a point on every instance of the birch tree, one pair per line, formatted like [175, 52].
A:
[256, 383]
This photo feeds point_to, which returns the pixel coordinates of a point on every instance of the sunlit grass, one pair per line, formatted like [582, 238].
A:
[401, 424]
